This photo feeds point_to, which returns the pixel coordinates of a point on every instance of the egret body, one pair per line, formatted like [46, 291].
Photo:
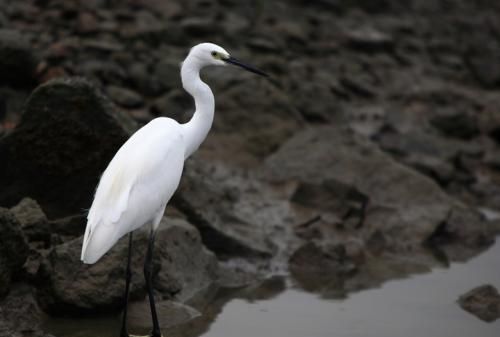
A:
[145, 172]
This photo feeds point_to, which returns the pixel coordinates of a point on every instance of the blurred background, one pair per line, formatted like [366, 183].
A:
[370, 155]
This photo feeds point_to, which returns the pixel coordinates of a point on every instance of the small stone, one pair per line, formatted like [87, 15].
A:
[87, 23]
[459, 125]
[483, 302]
[369, 39]
[17, 60]
[125, 97]
[199, 26]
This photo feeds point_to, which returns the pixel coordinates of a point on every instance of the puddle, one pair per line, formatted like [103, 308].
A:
[420, 305]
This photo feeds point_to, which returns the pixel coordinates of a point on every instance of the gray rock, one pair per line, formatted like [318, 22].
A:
[483, 302]
[175, 104]
[167, 73]
[68, 133]
[460, 125]
[199, 26]
[17, 60]
[222, 203]
[481, 61]
[404, 205]
[13, 249]
[20, 314]
[124, 97]
[34, 223]
[369, 39]
[183, 268]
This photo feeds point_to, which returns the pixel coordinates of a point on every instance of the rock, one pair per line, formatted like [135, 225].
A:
[143, 81]
[13, 249]
[33, 221]
[102, 70]
[87, 23]
[367, 121]
[175, 104]
[404, 205]
[483, 302]
[462, 126]
[73, 225]
[222, 230]
[462, 234]
[480, 59]
[167, 73]
[369, 39]
[222, 203]
[236, 125]
[183, 268]
[68, 134]
[124, 97]
[20, 314]
[17, 60]
[199, 26]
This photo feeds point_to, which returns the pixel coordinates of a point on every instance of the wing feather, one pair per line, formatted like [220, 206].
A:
[148, 160]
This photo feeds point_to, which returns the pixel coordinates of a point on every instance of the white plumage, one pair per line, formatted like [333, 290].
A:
[136, 186]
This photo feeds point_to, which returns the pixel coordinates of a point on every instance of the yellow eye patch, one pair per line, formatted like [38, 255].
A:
[216, 55]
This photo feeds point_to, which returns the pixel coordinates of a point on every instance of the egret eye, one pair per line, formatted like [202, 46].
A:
[214, 54]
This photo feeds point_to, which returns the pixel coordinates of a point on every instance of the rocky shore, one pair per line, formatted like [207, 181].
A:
[376, 142]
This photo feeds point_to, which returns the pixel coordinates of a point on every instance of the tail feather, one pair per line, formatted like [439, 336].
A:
[97, 242]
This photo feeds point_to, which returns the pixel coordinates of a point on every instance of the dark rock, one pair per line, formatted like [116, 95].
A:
[369, 39]
[482, 62]
[357, 87]
[68, 134]
[263, 44]
[183, 267]
[20, 314]
[199, 26]
[483, 302]
[103, 46]
[175, 104]
[143, 81]
[73, 225]
[87, 23]
[236, 125]
[463, 228]
[102, 70]
[462, 126]
[13, 249]
[124, 97]
[33, 221]
[17, 60]
[167, 73]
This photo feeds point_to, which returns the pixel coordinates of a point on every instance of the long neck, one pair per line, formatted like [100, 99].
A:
[196, 130]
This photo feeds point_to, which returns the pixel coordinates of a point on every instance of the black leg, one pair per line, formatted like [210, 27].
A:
[148, 275]
[128, 277]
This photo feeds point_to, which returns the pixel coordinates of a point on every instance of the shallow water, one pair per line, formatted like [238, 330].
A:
[420, 305]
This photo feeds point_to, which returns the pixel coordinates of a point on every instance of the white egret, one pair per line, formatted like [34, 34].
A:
[145, 172]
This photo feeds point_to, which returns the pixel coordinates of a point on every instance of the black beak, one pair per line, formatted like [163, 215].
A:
[247, 67]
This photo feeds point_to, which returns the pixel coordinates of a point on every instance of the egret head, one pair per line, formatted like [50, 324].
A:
[207, 54]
